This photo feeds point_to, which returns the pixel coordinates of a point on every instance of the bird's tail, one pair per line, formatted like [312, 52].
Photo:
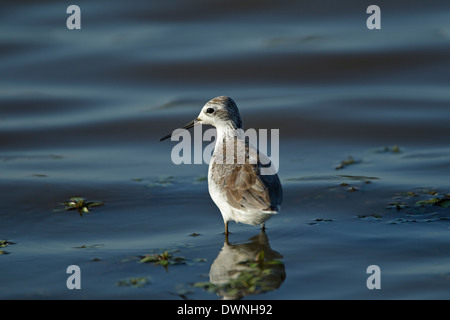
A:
[272, 210]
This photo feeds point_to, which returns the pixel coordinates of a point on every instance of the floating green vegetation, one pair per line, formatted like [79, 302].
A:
[421, 205]
[162, 181]
[92, 246]
[134, 282]
[257, 276]
[4, 244]
[347, 162]
[339, 177]
[441, 202]
[79, 204]
[375, 216]
[317, 221]
[194, 234]
[397, 205]
[166, 181]
[163, 259]
[393, 149]
[349, 187]
[346, 186]
[420, 198]
[364, 179]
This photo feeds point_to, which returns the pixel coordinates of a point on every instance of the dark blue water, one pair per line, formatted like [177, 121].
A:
[82, 111]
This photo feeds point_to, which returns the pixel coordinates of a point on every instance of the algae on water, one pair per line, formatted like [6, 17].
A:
[80, 204]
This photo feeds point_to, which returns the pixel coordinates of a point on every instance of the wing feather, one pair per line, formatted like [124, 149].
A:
[245, 187]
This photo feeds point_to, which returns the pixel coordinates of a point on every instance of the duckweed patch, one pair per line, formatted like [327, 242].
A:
[392, 149]
[420, 198]
[164, 259]
[138, 282]
[375, 217]
[349, 183]
[364, 179]
[317, 221]
[349, 187]
[166, 181]
[194, 234]
[420, 205]
[347, 162]
[162, 181]
[80, 204]
[92, 246]
[4, 244]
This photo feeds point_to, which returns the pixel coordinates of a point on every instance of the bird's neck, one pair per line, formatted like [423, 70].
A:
[228, 132]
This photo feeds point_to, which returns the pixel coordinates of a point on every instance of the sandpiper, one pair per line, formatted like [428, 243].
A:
[238, 188]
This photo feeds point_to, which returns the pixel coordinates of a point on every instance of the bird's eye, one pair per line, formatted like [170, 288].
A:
[210, 110]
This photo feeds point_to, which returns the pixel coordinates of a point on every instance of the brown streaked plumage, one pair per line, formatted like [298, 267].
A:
[235, 183]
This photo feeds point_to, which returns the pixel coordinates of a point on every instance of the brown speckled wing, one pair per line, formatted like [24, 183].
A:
[245, 187]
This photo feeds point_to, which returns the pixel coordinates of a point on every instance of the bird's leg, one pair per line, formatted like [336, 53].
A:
[226, 232]
[263, 227]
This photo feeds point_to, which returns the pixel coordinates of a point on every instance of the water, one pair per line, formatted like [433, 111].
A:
[82, 111]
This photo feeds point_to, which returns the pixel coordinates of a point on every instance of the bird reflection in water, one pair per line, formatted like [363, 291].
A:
[247, 268]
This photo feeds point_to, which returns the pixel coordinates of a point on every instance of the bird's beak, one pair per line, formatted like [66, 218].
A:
[187, 126]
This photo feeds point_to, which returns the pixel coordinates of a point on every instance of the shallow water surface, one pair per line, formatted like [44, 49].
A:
[364, 149]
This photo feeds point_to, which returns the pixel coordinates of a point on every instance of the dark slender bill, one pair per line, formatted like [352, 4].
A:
[165, 137]
[187, 126]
